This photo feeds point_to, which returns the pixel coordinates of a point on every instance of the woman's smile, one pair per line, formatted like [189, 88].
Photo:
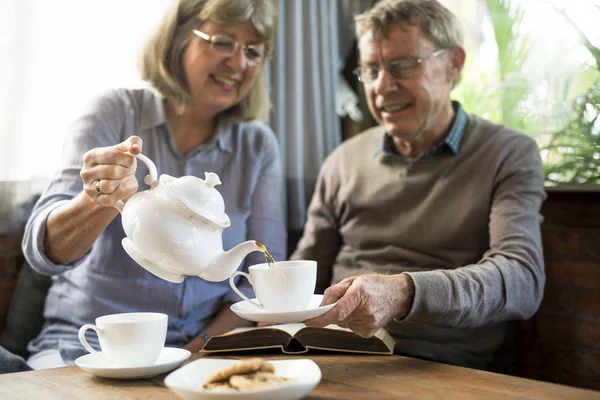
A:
[226, 84]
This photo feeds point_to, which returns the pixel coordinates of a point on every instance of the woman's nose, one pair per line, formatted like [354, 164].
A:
[237, 60]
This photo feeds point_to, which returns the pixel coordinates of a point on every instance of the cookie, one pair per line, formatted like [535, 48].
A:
[219, 387]
[256, 380]
[240, 368]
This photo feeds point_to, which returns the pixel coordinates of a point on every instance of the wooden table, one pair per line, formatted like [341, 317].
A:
[345, 376]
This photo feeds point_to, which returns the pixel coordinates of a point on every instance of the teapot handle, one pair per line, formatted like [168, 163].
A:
[151, 179]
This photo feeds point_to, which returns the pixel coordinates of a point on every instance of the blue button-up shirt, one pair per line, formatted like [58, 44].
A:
[450, 143]
[106, 280]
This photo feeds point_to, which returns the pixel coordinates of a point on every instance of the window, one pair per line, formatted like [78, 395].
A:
[536, 68]
[56, 56]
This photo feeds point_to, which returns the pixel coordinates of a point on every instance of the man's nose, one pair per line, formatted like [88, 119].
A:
[385, 82]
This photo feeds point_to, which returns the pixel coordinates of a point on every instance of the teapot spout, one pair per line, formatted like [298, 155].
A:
[226, 263]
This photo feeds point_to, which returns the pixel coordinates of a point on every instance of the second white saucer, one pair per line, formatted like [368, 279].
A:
[252, 313]
[97, 364]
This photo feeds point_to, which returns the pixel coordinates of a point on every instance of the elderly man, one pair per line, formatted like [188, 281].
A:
[429, 223]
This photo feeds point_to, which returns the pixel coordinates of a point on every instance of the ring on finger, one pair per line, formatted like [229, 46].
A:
[98, 187]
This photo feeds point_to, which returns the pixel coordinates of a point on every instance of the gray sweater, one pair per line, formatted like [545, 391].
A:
[465, 227]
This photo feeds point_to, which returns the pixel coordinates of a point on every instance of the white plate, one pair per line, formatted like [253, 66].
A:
[98, 365]
[187, 381]
[252, 313]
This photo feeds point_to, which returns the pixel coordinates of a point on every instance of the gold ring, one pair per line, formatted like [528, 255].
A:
[98, 186]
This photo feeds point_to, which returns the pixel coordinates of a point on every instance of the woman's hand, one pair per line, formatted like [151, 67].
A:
[108, 173]
[195, 345]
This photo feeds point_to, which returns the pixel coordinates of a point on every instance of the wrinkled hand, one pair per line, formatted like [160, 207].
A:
[108, 173]
[367, 303]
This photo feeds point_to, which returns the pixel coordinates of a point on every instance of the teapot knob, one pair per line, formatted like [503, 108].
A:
[211, 179]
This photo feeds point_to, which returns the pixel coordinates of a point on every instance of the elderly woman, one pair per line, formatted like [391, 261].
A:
[205, 63]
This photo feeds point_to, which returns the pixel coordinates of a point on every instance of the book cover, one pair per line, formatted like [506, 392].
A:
[297, 338]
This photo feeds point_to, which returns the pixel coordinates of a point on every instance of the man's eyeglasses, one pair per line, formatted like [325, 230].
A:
[401, 68]
[228, 47]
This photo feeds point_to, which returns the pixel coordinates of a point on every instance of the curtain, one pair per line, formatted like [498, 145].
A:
[309, 92]
[303, 76]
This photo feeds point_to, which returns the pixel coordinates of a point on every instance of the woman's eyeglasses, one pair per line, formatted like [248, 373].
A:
[228, 47]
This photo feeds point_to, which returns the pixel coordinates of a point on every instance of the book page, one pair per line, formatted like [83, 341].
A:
[296, 338]
[337, 328]
[290, 329]
[335, 338]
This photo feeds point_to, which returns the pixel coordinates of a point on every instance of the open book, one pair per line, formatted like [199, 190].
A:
[297, 338]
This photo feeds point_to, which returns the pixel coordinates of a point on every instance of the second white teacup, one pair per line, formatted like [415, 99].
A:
[129, 339]
[287, 287]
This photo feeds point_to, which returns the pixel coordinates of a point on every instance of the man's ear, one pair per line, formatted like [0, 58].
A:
[457, 62]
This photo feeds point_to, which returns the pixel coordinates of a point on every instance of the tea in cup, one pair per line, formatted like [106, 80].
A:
[287, 287]
[129, 339]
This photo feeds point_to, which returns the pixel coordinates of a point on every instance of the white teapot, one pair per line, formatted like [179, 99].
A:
[174, 228]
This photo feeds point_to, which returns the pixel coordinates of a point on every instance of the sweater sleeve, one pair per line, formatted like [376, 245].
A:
[98, 126]
[507, 283]
[321, 239]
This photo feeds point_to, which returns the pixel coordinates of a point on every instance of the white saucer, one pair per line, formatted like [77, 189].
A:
[98, 365]
[187, 381]
[252, 313]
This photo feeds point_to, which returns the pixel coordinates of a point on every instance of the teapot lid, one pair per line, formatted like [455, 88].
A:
[200, 196]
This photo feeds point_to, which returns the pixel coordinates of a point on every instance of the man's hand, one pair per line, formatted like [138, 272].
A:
[367, 303]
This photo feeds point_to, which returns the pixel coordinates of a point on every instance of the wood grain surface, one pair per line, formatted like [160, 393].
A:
[345, 376]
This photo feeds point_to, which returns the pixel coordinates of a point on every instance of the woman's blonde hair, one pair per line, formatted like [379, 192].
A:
[160, 60]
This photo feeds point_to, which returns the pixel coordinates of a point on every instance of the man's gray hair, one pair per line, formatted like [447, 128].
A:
[438, 23]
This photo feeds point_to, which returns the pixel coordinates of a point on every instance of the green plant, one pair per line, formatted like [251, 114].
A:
[498, 95]
[513, 52]
[560, 110]
[573, 152]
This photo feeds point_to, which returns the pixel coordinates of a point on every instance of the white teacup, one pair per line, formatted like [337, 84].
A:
[129, 339]
[287, 287]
